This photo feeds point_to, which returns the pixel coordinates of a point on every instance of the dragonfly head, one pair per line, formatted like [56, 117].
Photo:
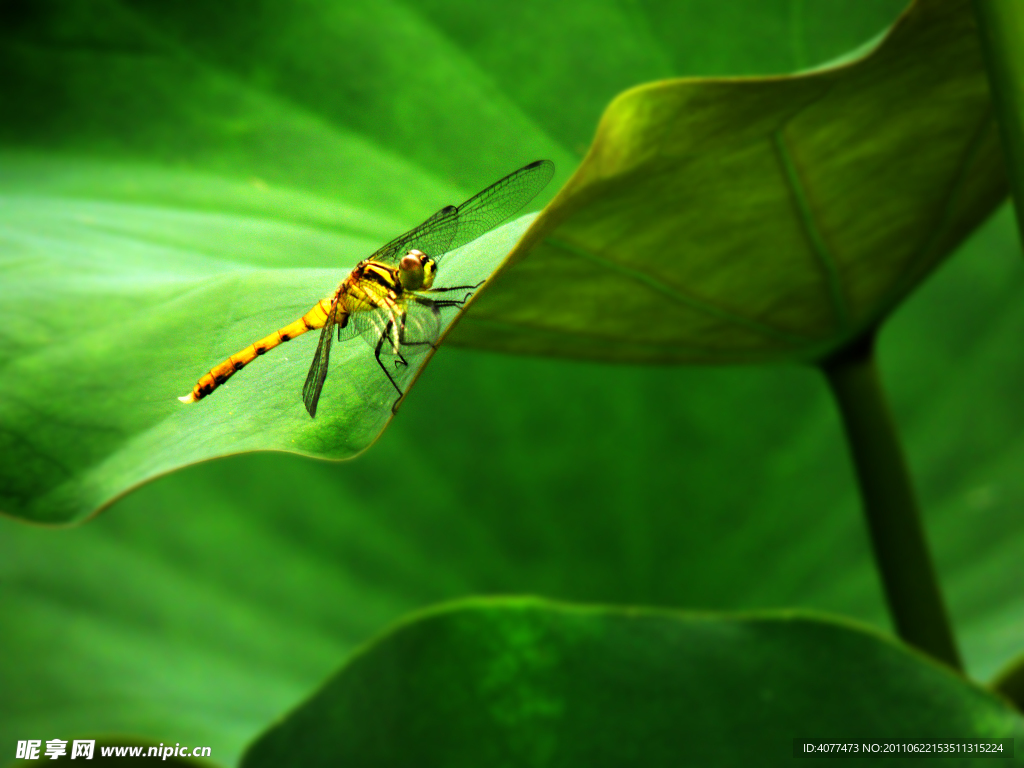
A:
[416, 270]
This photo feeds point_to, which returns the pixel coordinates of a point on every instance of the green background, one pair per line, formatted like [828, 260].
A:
[209, 602]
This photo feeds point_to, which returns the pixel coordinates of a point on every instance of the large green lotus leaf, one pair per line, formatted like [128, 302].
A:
[179, 180]
[158, 213]
[205, 605]
[150, 299]
[526, 683]
[758, 219]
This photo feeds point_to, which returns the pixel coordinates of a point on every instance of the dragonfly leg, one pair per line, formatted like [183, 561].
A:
[404, 341]
[469, 288]
[417, 344]
[456, 288]
[436, 307]
[376, 353]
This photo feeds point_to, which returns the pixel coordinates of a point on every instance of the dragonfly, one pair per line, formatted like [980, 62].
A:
[390, 299]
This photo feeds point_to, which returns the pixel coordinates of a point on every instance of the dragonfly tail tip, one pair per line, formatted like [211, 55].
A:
[189, 398]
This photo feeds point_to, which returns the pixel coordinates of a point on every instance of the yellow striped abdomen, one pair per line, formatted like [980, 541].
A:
[315, 318]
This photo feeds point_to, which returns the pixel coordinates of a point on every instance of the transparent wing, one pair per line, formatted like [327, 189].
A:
[373, 324]
[432, 236]
[486, 210]
[318, 370]
[406, 324]
[421, 324]
[400, 335]
[453, 227]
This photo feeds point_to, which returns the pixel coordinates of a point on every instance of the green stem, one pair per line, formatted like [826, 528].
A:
[894, 523]
[1010, 682]
[1001, 29]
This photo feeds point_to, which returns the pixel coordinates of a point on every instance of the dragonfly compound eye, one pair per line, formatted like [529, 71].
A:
[411, 262]
[410, 270]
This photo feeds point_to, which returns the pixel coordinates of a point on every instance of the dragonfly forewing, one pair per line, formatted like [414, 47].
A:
[455, 226]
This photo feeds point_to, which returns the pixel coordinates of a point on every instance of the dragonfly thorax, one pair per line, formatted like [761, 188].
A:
[416, 271]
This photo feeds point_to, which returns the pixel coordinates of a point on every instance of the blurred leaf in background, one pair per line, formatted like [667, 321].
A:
[207, 603]
[539, 684]
[758, 219]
